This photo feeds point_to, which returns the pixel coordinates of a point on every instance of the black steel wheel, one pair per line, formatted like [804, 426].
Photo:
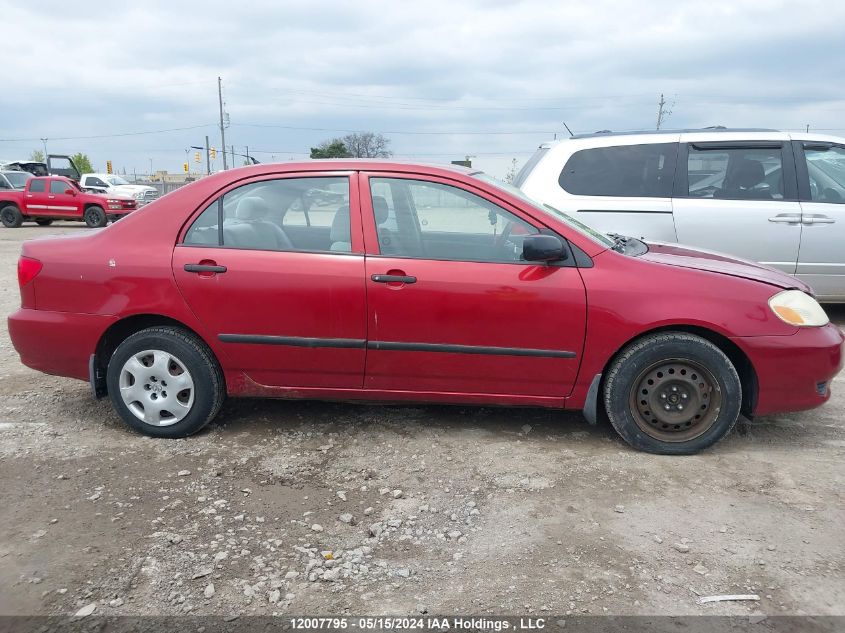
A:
[672, 393]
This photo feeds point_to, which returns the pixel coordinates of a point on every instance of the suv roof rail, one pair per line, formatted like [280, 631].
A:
[712, 128]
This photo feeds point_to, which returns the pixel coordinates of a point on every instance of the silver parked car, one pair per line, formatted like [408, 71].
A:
[774, 197]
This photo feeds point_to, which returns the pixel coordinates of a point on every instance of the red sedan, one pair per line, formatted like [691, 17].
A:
[366, 280]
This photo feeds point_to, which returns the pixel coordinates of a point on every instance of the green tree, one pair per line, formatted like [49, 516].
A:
[83, 163]
[334, 148]
[37, 156]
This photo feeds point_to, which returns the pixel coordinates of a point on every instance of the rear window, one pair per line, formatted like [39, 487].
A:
[37, 185]
[529, 166]
[630, 171]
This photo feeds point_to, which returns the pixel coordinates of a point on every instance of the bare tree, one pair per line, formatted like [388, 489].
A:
[512, 171]
[367, 145]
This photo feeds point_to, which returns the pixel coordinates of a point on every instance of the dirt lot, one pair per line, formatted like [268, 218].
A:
[432, 509]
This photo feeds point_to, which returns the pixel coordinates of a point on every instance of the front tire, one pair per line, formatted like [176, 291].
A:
[11, 216]
[95, 217]
[672, 393]
[165, 382]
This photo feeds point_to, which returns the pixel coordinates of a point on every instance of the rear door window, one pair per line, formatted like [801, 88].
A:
[736, 173]
[826, 169]
[629, 171]
[37, 186]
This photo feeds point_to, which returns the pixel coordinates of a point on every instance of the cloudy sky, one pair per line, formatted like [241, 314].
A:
[442, 79]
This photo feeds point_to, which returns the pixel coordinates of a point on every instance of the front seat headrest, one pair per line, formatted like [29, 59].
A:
[252, 208]
[380, 209]
[747, 173]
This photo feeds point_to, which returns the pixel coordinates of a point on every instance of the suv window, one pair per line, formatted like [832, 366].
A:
[631, 171]
[826, 168]
[38, 186]
[57, 186]
[93, 181]
[429, 220]
[290, 214]
[736, 173]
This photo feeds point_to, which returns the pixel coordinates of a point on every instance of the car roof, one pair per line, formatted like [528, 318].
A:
[715, 129]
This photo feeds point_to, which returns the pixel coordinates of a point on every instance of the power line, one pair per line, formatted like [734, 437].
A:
[94, 136]
[397, 132]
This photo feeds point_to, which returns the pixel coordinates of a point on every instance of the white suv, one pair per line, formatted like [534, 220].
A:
[114, 185]
[765, 195]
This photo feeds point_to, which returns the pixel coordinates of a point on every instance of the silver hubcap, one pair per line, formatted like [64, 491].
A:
[156, 387]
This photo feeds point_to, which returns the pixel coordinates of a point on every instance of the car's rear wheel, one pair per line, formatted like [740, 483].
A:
[672, 393]
[165, 382]
[44, 222]
[95, 217]
[11, 216]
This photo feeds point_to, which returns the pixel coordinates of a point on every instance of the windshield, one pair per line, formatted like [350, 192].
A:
[548, 210]
[116, 181]
[17, 179]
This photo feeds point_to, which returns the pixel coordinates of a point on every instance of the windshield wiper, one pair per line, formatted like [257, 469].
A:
[619, 242]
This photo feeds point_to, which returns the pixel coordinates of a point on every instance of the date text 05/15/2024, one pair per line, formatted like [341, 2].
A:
[432, 623]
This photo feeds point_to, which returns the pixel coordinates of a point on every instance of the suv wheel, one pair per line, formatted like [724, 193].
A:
[165, 382]
[672, 393]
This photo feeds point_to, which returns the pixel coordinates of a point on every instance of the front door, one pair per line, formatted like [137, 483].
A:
[289, 309]
[63, 204]
[739, 198]
[452, 308]
[821, 183]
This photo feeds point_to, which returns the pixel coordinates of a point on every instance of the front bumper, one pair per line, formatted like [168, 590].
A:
[58, 343]
[794, 373]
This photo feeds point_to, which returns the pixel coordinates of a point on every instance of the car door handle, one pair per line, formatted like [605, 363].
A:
[786, 218]
[390, 279]
[204, 268]
[817, 219]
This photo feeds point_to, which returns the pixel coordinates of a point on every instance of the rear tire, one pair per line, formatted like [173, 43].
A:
[44, 222]
[95, 217]
[672, 393]
[11, 216]
[165, 382]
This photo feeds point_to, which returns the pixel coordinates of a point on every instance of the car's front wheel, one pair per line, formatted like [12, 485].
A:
[672, 393]
[165, 382]
[95, 217]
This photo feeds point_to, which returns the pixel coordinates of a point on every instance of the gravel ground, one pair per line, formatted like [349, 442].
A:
[304, 507]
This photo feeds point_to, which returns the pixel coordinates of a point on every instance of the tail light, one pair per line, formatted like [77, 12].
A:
[28, 269]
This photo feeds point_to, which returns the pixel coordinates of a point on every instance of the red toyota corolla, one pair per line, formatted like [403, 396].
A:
[366, 280]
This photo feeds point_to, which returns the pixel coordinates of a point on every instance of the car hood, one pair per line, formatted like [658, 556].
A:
[715, 262]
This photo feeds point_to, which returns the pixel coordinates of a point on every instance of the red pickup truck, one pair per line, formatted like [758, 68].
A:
[56, 198]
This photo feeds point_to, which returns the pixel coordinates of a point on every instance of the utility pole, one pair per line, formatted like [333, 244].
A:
[207, 157]
[662, 111]
[222, 128]
[248, 162]
[44, 140]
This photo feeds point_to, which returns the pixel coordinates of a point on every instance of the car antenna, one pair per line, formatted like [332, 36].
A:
[568, 130]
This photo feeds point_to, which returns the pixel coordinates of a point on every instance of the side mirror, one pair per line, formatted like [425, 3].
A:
[542, 248]
[70, 191]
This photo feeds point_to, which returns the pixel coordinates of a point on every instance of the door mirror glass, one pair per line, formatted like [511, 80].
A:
[542, 248]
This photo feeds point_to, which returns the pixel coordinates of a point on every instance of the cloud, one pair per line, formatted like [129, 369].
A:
[447, 71]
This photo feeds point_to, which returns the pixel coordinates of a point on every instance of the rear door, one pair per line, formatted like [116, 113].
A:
[36, 197]
[740, 198]
[451, 306]
[625, 189]
[821, 186]
[289, 310]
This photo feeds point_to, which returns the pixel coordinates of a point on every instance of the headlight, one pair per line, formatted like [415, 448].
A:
[137, 195]
[798, 308]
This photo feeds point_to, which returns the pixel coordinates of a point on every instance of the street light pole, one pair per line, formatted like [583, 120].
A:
[44, 140]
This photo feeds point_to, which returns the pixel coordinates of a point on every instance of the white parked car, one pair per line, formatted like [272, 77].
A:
[116, 186]
[774, 197]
